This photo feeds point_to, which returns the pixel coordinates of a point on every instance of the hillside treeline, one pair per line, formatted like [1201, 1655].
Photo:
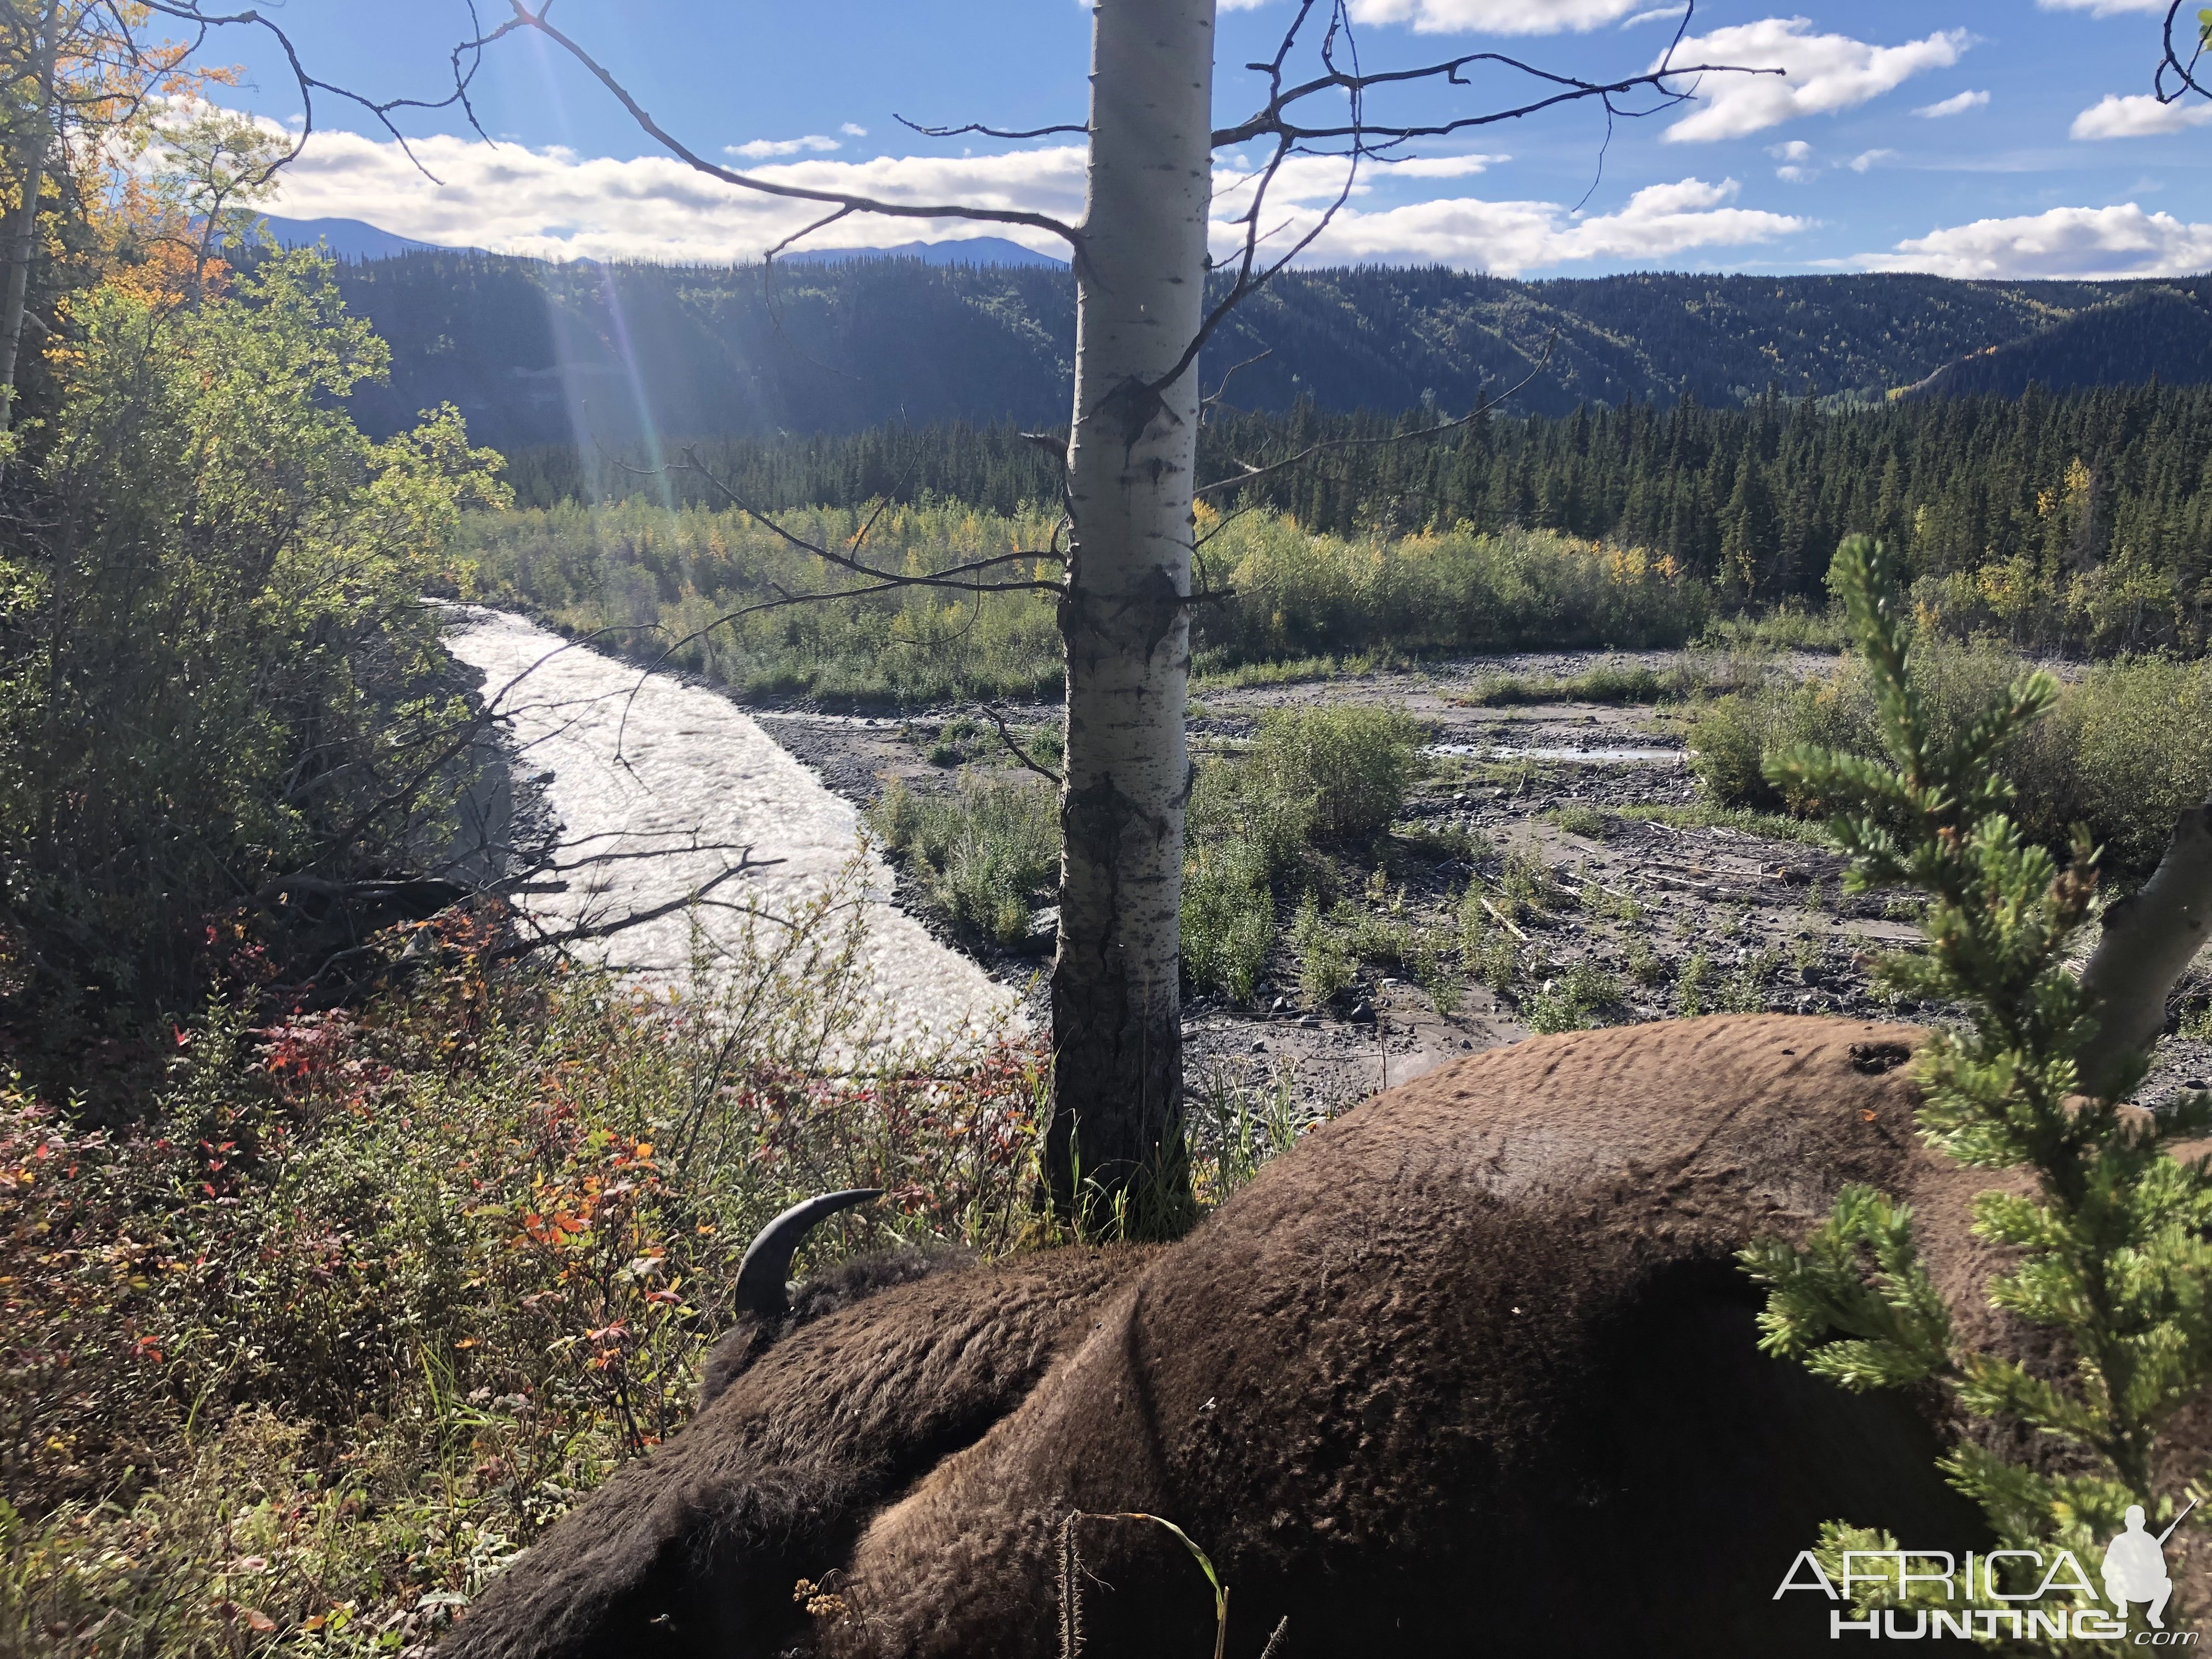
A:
[2076, 521]
[608, 356]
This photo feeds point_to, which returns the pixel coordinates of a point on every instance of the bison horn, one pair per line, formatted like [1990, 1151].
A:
[761, 1275]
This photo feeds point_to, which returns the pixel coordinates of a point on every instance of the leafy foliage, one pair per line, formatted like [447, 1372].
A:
[215, 670]
[367, 1300]
[2109, 1229]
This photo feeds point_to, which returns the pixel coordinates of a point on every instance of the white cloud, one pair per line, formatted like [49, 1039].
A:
[1507, 238]
[1653, 15]
[1957, 104]
[1796, 150]
[2103, 8]
[1796, 175]
[1867, 158]
[1824, 73]
[761, 148]
[1432, 167]
[552, 205]
[2139, 115]
[1492, 16]
[853, 131]
[1225, 5]
[2079, 242]
[1320, 177]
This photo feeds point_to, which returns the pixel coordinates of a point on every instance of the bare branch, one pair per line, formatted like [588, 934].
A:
[1254, 474]
[191, 11]
[2184, 72]
[983, 132]
[525, 18]
[1228, 375]
[1020, 754]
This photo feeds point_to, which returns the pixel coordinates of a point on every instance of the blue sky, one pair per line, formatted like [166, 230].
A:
[1969, 138]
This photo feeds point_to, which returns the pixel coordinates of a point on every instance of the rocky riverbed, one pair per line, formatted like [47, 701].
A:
[1678, 910]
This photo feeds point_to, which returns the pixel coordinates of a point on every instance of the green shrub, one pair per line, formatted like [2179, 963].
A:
[1325, 968]
[1427, 960]
[1452, 841]
[1486, 948]
[1302, 595]
[1691, 985]
[984, 857]
[1379, 940]
[1579, 820]
[1227, 918]
[1232, 798]
[1568, 1001]
[1526, 881]
[1353, 763]
[2127, 748]
[1745, 990]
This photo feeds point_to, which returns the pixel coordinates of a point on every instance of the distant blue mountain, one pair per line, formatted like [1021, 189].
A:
[348, 239]
[974, 250]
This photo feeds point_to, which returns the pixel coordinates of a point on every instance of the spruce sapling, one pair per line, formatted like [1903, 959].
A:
[2110, 1230]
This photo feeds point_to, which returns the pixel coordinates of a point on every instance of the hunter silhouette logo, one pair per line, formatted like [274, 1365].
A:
[2135, 1566]
[2134, 1572]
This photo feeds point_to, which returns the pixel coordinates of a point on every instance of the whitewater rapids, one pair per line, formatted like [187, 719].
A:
[643, 761]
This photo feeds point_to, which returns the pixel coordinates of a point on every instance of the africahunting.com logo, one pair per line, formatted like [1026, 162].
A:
[1905, 1595]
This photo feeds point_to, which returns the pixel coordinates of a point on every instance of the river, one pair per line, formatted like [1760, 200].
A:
[644, 762]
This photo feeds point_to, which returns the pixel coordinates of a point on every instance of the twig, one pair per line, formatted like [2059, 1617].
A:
[1014, 749]
[1503, 921]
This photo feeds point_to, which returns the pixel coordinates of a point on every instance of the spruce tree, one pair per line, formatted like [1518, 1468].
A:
[2111, 1243]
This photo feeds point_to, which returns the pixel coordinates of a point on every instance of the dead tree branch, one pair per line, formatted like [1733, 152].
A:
[1253, 474]
[2148, 940]
[2183, 70]
[990, 712]
[537, 20]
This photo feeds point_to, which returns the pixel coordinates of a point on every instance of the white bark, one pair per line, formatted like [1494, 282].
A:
[1140, 283]
[23, 230]
[2148, 943]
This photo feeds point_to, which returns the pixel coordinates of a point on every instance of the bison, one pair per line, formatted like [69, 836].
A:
[1471, 1369]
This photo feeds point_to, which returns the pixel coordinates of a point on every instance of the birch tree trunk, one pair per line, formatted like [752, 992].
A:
[1116, 1121]
[23, 229]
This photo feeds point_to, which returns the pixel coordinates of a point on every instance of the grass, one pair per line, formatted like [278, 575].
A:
[1608, 683]
[983, 858]
[1577, 819]
[1211, 673]
[1571, 1000]
[1706, 815]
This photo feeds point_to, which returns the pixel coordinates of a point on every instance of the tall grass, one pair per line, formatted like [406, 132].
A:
[983, 858]
[1298, 605]
[661, 580]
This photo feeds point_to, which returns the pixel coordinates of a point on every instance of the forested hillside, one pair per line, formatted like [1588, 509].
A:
[2083, 519]
[615, 354]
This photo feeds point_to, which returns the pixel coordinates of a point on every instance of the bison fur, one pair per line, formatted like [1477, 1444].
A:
[1473, 1369]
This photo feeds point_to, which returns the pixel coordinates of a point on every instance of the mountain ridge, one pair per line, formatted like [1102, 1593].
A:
[627, 355]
